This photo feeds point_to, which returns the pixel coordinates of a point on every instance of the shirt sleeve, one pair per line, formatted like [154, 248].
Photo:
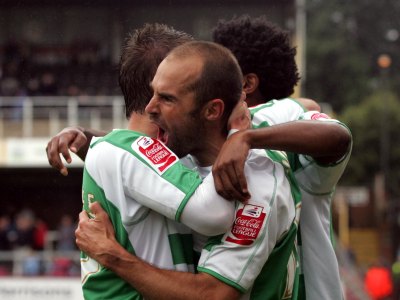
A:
[239, 256]
[276, 112]
[319, 179]
[206, 212]
[153, 176]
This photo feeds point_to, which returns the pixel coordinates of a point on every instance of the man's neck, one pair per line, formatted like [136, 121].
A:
[255, 98]
[141, 123]
[209, 151]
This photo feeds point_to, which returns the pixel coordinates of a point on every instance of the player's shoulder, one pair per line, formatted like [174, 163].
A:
[276, 112]
[120, 138]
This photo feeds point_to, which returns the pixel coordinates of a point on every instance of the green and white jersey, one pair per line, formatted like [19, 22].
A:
[258, 255]
[120, 169]
[317, 183]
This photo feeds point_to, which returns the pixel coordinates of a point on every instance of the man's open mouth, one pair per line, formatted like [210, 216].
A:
[162, 135]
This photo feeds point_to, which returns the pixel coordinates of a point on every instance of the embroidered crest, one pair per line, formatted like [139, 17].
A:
[155, 153]
[248, 223]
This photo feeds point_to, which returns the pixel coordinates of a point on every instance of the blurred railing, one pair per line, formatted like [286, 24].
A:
[26, 262]
[50, 261]
[45, 116]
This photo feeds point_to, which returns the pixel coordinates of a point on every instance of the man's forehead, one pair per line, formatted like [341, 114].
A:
[174, 70]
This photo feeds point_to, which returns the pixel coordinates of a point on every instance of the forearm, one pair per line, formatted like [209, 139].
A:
[89, 133]
[154, 283]
[207, 212]
[325, 141]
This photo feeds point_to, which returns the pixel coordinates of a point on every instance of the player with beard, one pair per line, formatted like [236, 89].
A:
[123, 178]
[141, 184]
[196, 131]
[191, 86]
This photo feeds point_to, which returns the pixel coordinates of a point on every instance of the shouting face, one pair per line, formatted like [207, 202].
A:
[173, 106]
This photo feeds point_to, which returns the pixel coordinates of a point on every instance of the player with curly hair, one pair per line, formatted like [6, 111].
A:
[267, 60]
[264, 53]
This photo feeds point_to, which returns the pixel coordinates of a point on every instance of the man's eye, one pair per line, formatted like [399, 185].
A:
[166, 98]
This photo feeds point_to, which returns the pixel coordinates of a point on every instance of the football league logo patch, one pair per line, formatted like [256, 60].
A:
[155, 153]
[248, 224]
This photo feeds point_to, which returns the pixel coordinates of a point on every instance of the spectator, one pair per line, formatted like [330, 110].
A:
[39, 236]
[48, 84]
[31, 265]
[5, 228]
[22, 234]
[66, 234]
[32, 86]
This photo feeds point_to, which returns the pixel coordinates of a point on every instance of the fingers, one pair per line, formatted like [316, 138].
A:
[241, 181]
[99, 214]
[63, 147]
[53, 156]
[97, 211]
[83, 216]
[237, 183]
[225, 188]
[79, 141]
[69, 139]
[219, 187]
[227, 184]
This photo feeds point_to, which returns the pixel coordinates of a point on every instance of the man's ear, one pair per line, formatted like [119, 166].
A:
[250, 83]
[214, 109]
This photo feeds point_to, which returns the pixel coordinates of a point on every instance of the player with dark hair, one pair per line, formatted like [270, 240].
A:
[265, 55]
[268, 63]
[141, 184]
[258, 255]
[279, 143]
[195, 88]
[142, 53]
[136, 178]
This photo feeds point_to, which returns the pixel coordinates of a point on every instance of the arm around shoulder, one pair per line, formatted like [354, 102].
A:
[158, 284]
[206, 212]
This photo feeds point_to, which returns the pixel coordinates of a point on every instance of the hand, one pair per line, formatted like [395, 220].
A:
[240, 117]
[228, 169]
[70, 138]
[96, 236]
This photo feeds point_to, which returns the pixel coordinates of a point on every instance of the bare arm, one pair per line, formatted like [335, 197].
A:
[96, 238]
[326, 142]
[75, 139]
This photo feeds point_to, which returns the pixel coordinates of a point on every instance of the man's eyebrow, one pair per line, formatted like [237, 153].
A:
[161, 94]
[166, 96]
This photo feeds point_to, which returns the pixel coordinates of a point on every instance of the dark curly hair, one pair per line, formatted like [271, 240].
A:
[263, 48]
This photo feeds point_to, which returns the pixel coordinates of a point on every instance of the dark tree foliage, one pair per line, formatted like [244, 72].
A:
[344, 40]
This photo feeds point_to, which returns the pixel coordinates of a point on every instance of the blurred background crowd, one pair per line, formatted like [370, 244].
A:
[71, 70]
[27, 238]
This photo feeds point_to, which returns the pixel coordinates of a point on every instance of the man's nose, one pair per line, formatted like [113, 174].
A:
[152, 107]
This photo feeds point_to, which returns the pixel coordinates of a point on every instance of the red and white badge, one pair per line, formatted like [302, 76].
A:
[155, 153]
[316, 115]
[248, 224]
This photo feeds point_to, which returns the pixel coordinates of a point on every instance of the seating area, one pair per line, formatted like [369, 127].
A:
[68, 70]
